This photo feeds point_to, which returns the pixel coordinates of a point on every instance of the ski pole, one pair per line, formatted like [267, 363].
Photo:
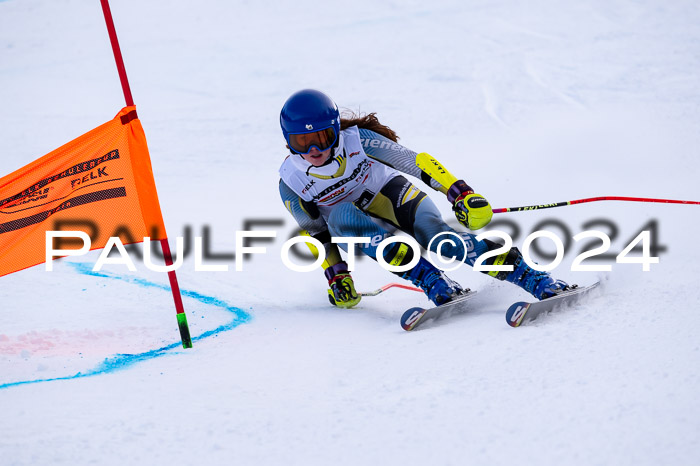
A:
[435, 170]
[315, 252]
[386, 287]
[591, 199]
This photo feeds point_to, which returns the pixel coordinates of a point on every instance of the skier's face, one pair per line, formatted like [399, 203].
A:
[317, 158]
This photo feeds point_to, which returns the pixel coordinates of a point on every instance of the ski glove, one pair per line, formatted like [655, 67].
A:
[472, 210]
[342, 289]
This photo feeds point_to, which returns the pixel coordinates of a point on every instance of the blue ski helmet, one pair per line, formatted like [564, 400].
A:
[313, 114]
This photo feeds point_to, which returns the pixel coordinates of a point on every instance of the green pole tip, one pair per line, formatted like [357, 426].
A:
[184, 330]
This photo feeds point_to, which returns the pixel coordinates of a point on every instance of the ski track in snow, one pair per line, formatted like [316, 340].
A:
[491, 104]
[529, 102]
[123, 361]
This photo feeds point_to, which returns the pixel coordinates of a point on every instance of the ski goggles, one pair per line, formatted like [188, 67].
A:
[322, 140]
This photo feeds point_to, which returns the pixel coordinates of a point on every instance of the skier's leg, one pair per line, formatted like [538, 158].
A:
[429, 223]
[347, 220]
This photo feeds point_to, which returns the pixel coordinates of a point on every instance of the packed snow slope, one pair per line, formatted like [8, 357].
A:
[530, 102]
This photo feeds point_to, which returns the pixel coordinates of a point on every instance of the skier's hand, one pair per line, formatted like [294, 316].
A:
[472, 210]
[342, 289]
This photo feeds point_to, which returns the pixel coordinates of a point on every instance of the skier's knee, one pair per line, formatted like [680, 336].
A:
[342, 212]
[340, 219]
[398, 254]
[509, 257]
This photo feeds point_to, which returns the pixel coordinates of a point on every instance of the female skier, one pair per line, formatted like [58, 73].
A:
[341, 179]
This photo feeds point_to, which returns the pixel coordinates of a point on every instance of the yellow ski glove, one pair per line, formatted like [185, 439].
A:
[342, 289]
[472, 210]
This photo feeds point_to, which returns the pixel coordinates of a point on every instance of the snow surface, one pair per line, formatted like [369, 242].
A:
[530, 102]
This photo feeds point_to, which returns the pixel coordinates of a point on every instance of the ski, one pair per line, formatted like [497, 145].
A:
[417, 316]
[522, 312]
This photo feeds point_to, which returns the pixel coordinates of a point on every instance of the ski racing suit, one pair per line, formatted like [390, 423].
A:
[361, 192]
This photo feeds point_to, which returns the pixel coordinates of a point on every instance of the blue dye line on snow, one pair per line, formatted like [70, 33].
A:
[122, 361]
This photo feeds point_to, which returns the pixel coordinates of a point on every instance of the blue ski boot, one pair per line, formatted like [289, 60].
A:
[539, 284]
[437, 286]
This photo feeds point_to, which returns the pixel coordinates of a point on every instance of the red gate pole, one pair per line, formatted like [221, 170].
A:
[117, 53]
[167, 256]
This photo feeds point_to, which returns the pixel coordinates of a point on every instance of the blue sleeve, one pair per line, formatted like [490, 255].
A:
[396, 156]
[306, 214]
